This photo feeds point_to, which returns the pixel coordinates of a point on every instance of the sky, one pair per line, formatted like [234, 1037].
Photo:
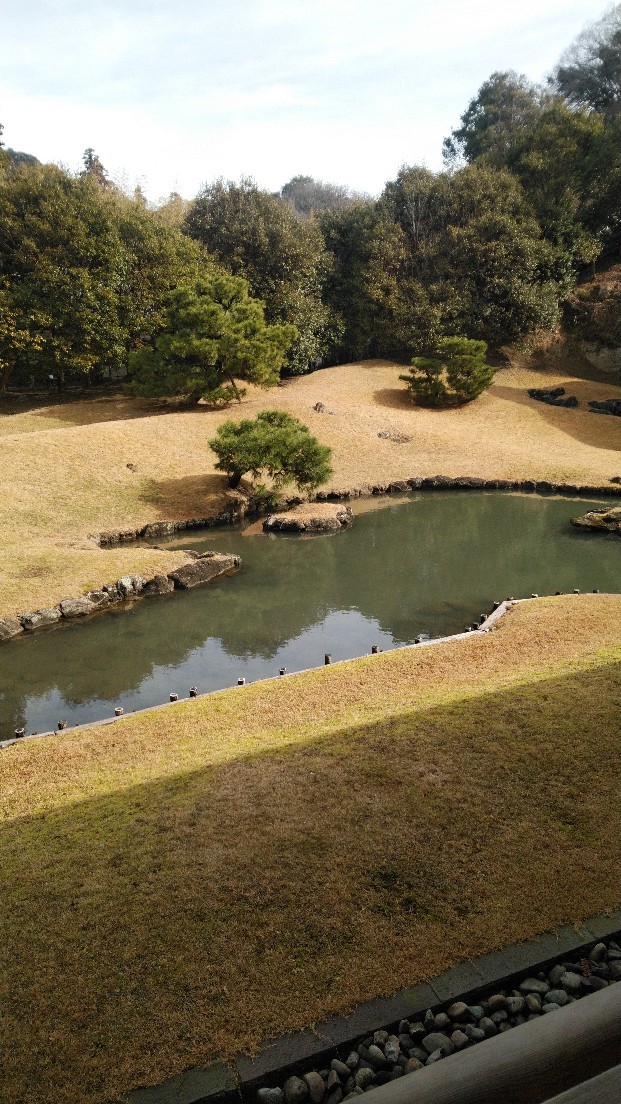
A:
[173, 94]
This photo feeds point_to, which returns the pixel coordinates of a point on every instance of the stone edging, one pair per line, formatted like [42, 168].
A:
[222, 1083]
[128, 588]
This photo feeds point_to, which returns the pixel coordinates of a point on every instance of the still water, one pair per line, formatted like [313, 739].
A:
[428, 565]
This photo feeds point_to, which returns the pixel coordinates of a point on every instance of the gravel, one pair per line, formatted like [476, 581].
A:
[386, 1055]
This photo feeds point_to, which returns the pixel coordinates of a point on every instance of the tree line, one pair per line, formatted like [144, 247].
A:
[489, 248]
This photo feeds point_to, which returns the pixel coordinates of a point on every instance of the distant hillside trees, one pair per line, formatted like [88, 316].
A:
[308, 196]
[255, 235]
[84, 271]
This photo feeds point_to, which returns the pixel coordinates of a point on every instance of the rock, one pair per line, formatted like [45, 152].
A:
[598, 954]
[533, 1002]
[459, 1011]
[488, 1026]
[311, 517]
[270, 1096]
[334, 1080]
[438, 1041]
[405, 1042]
[476, 1011]
[10, 627]
[159, 529]
[417, 1030]
[203, 570]
[335, 1095]
[316, 1087]
[296, 1090]
[380, 1037]
[593, 984]
[555, 975]
[607, 519]
[129, 586]
[496, 1002]
[395, 1073]
[40, 618]
[515, 1005]
[441, 1021]
[552, 396]
[498, 1017]
[474, 1034]
[551, 1007]
[615, 970]
[418, 1052]
[412, 1065]
[158, 585]
[556, 996]
[534, 985]
[392, 1049]
[353, 1060]
[340, 1068]
[112, 591]
[76, 607]
[99, 598]
[429, 1020]
[364, 1077]
[571, 982]
[459, 1040]
[376, 1057]
[435, 1056]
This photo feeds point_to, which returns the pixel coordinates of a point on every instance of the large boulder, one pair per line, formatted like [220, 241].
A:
[129, 586]
[159, 584]
[40, 619]
[207, 567]
[310, 517]
[10, 627]
[77, 607]
[609, 520]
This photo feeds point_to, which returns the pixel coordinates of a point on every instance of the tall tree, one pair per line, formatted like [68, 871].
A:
[257, 236]
[214, 334]
[589, 72]
[505, 107]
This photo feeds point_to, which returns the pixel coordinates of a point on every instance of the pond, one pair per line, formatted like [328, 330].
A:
[427, 565]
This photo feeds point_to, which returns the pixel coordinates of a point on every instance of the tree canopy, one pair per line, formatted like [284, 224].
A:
[212, 334]
[274, 444]
[455, 373]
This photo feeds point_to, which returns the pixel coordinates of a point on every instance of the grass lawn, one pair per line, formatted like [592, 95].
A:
[185, 883]
[65, 474]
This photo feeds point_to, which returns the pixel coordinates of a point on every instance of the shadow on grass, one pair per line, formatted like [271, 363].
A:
[571, 420]
[185, 919]
[397, 398]
[192, 496]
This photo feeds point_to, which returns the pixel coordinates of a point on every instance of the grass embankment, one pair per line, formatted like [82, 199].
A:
[185, 883]
[72, 470]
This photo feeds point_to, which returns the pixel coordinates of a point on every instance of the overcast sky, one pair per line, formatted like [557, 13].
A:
[174, 93]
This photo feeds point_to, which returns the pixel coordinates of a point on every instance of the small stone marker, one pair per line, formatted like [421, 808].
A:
[193, 691]
[327, 658]
[118, 711]
[174, 697]
[241, 682]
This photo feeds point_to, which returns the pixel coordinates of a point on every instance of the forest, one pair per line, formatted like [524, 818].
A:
[490, 248]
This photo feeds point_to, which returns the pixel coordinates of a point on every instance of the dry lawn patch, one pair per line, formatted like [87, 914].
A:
[181, 885]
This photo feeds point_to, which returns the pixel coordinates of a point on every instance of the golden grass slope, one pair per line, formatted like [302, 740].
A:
[71, 478]
[180, 885]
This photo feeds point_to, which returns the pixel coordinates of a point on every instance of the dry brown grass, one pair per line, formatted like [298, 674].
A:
[58, 485]
[184, 883]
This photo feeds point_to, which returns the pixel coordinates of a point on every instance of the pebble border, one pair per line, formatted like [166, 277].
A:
[473, 984]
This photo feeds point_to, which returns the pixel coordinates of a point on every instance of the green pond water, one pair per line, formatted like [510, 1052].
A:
[428, 565]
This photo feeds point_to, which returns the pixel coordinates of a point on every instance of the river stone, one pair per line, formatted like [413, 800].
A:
[474, 1034]
[10, 627]
[496, 1002]
[615, 971]
[353, 1060]
[570, 982]
[333, 1080]
[335, 1095]
[459, 1011]
[533, 985]
[533, 1002]
[412, 1065]
[159, 529]
[376, 1057]
[40, 618]
[270, 1096]
[296, 1090]
[488, 1026]
[437, 1041]
[441, 1021]
[435, 1056]
[555, 975]
[77, 607]
[417, 1030]
[380, 1037]
[557, 996]
[364, 1077]
[203, 570]
[551, 1007]
[498, 1017]
[417, 1052]
[593, 984]
[340, 1068]
[392, 1049]
[459, 1040]
[311, 517]
[159, 584]
[598, 954]
[476, 1011]
[316, 1087]
[515, 1005]
[130, 585]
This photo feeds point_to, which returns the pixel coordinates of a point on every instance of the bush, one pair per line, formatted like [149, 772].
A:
[273, 444]
[455, 374]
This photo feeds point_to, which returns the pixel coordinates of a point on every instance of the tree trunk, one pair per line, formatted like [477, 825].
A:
[235, 391]
[235, 479]
[5, 372]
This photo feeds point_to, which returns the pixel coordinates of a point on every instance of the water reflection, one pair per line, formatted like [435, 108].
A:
[429, 565]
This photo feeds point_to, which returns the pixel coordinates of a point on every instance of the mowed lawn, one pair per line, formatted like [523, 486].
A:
[71, 471]
[182, 884]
